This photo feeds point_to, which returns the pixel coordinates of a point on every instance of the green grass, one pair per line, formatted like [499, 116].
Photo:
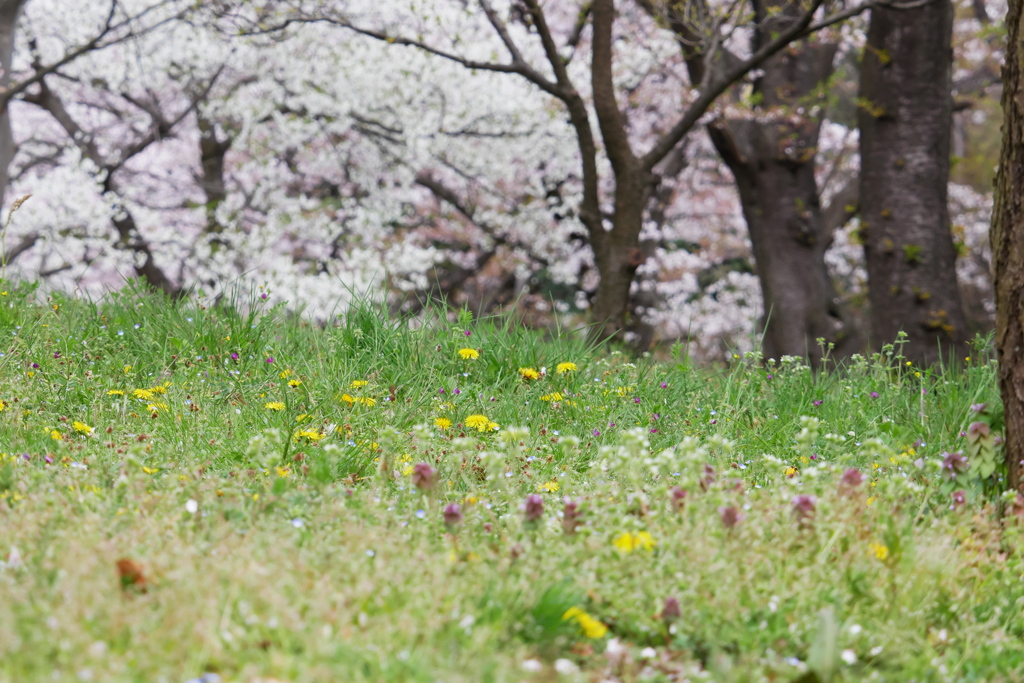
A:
[290, 542]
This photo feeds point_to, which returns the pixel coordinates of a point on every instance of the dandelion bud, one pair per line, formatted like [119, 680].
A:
[671, 611]
[533, 508]
[424, 477]
[850, 482]
[570, 515]
[678, 497]
[730, 516]
[452, 515]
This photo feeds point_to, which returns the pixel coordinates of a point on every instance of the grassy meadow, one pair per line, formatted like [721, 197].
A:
[194, 493]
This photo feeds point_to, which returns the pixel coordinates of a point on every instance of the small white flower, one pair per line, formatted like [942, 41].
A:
[648, 653]
[566, 667]
[855, 629]
[532, 665]
[191, 507]
[849, 656]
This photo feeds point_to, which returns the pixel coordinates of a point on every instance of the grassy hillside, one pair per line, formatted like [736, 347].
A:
[193, 492]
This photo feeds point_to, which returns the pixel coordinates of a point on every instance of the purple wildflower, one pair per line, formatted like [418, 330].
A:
[803, 507]
[453, 515]
[874, 394]
[953, 464]
[708, 477]
[678, 497]
[533, 508]
[959, 499]
[850, 482]
[570, 515]
[671, 611]
[424, 477]
[977, 431]
[270, 359]
[730, 516]
[234, 356]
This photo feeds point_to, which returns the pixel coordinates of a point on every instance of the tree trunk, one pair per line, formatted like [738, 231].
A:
[1008, 247]
[10, 10]
[618, 255]
[773, 162]
[905, 119]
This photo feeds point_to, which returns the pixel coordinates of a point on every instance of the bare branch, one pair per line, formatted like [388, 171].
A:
[800, 27]
[96, 43]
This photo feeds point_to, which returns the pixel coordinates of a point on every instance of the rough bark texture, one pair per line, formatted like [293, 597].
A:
[10, 10]
[1008, 247]
[773, 162]
[618, 256]
[905, 118]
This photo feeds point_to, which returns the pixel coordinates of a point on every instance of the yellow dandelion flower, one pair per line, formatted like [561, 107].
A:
[284, 374]
[358, 383]
[481, 423]
[791, 471]
[82, 428]
[407, 470]
[115, 392]
[871, 501]
[563, 368]
[624, 391]
[309, 435]
[347, 399]
[367, 401]
[442, 423]
[150, 470]
[162, 389]
[469, 354]
[879, 550]
[529, 373]
[282, 472]
[144, 394]
[589, 626]
[274, 405]
[3, 406]
[627, 542]
[554, 396]
[548, 487]
[127, 369]
[56, 435]
[295, 382]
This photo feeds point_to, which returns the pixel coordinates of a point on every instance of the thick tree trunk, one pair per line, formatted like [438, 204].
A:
[905, 119]
[618, 256]
[1008, 247]
[780, 203]
[10, 10]
[773, 162]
